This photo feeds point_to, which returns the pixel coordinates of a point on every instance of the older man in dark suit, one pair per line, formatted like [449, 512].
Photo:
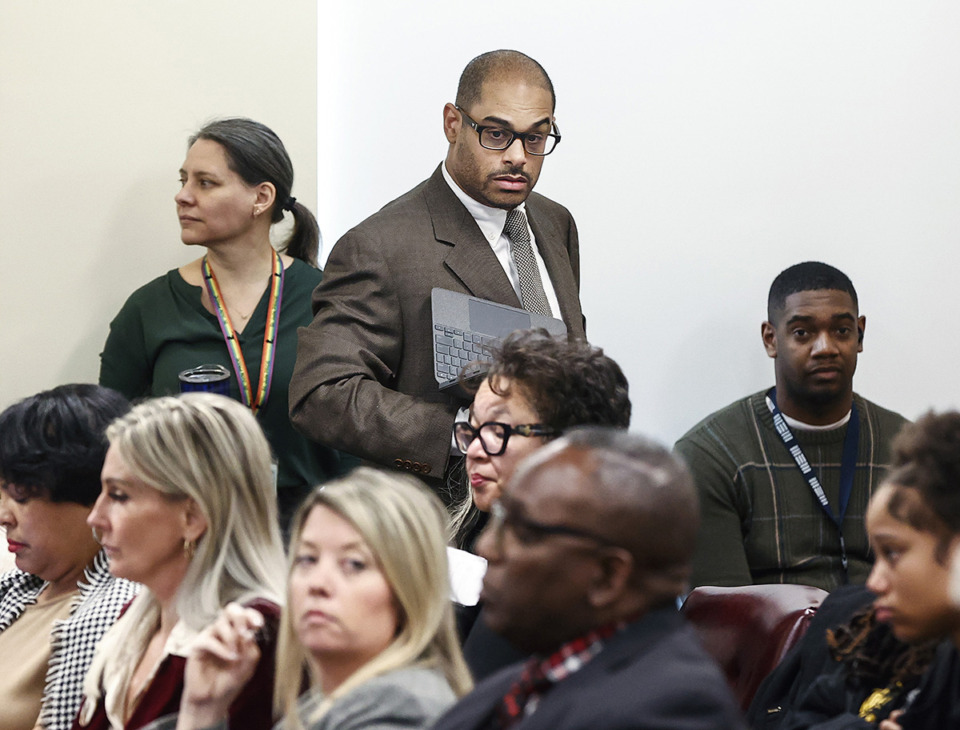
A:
[588, 549]
[364, 379]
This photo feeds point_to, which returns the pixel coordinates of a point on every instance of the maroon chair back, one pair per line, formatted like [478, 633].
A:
[748, 629]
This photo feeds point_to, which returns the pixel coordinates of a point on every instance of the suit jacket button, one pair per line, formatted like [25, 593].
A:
[425, 468]
[407, 464]
[398, 463]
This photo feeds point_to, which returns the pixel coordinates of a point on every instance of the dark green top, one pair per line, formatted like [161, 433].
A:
[164, 329]
[760, 521]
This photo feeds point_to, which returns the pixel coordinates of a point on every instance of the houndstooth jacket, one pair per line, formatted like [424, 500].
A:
[73, 639]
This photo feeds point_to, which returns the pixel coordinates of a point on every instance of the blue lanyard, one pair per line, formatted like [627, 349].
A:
[848, 466]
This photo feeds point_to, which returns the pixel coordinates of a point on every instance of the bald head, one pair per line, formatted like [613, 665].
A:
[637, 495]
[595, 527]
[500, 65]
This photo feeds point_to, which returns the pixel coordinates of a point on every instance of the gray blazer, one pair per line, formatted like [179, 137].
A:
[364, 382]
[403, 699]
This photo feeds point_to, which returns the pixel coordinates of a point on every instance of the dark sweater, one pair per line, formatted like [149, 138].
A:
[761, 522]
[163, 329]
[937, 704]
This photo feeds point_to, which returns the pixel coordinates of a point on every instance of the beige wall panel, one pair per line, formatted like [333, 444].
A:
[96, 102]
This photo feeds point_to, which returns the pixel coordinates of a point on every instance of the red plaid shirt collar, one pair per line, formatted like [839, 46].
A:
[539, 674]
[574, 655]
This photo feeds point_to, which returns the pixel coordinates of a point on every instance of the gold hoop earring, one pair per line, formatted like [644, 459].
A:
[189, 548]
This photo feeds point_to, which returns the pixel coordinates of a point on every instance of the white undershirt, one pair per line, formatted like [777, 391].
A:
[801, 426]
[491, 222]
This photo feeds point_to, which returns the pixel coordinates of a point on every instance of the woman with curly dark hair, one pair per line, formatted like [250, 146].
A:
[871, 674]
[536, 387]
[914, 527]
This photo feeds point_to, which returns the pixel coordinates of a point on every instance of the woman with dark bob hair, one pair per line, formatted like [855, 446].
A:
[61, 598]
[240, 304]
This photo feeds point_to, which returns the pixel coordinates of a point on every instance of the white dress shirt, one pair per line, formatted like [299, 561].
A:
[491, 222]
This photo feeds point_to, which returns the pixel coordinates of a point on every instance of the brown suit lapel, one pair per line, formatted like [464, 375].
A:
[474, 263]
[470, 257]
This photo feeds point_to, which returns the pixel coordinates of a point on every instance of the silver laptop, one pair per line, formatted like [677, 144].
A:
[465, 327]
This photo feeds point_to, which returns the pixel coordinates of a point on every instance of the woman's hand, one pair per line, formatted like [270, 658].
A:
[220, 664]
[891, 723]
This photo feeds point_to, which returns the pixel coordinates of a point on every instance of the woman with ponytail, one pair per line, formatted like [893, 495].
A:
[240, 304]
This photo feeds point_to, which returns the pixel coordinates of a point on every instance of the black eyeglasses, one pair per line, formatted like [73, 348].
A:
[494, 435]
[529, 531]
[498, 138]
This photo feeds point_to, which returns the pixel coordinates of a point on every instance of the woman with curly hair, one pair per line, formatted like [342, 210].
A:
[536, 387]
[914, 527]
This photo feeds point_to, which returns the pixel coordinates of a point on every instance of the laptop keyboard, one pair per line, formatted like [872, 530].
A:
[454, 349]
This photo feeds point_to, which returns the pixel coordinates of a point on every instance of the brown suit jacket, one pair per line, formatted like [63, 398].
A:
[363, 381]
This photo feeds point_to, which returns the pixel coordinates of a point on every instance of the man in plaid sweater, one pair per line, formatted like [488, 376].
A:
[784, 475]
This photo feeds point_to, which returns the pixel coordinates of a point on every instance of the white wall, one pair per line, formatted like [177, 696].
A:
[97, 100]
[707, 145]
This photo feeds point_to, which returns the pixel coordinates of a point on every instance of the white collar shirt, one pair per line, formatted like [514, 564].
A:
[491, 222]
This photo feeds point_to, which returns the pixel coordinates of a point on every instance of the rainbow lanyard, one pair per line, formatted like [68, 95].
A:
[268, 357]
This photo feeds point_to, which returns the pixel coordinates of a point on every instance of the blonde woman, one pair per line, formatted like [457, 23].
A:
[368, 627]
[187, 508]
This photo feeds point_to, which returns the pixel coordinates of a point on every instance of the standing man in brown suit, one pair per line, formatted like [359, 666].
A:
[364, 381]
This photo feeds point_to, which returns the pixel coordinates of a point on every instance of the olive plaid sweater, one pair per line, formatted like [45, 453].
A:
[761, 522]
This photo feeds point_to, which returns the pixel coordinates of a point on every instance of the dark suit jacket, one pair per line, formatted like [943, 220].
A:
[777, 702]
[363, 381]
[654, 674]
